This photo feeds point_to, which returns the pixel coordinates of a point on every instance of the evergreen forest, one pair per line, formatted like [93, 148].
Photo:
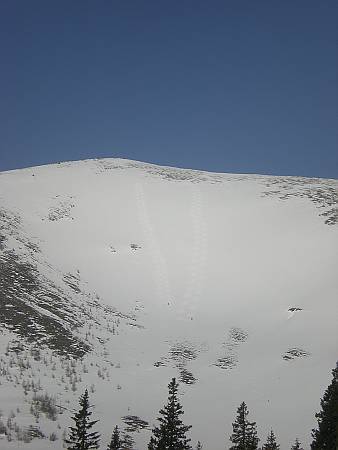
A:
[170, 432]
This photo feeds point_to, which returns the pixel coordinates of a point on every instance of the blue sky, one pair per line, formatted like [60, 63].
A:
[231, 86]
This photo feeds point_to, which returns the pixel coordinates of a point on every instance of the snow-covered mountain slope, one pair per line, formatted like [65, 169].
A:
[118, 275]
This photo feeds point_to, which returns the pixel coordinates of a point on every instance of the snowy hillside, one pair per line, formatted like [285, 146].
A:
[118, 275]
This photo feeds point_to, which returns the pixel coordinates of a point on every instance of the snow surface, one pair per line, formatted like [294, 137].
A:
[189, 274]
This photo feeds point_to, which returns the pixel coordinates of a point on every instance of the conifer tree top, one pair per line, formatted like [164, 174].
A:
[171, 432]
[296, 445]
[80, 436]
[244, 436]
[326, 436]
[116, 442]
[271, 443]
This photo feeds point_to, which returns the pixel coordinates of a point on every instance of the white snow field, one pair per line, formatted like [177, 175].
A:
[118, 275]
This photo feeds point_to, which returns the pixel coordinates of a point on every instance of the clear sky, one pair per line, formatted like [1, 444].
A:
[229, 86]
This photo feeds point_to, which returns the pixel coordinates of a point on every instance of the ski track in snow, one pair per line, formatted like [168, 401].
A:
[159, 270]
[196, 277]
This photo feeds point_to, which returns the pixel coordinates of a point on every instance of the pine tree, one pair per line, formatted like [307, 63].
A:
[244, 434]
[80, 438]
[271, 443]
[326, 437]
[171, 433]
[115, 443]
[296, 445]
[152, 444]
[127, 442]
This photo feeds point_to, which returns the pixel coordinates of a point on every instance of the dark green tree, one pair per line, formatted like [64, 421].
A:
[115, 443]
[244, 434]
[152, 444]
[271, 443]
[80, 437]
[171, 433]
[127, 442]
[296, 445]
[326, 436]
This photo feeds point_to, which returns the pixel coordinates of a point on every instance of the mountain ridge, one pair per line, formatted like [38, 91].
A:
[135, 163]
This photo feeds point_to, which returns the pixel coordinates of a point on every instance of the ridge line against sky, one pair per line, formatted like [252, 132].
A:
[165, 166]
[223, 86]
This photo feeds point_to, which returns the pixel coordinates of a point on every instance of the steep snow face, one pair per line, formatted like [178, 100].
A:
[118, 275]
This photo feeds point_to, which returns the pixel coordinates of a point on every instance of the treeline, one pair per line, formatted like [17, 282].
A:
[170, 433]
